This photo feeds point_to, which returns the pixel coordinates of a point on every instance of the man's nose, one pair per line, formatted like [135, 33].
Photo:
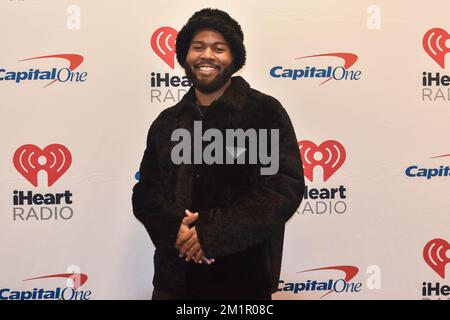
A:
[208, 53]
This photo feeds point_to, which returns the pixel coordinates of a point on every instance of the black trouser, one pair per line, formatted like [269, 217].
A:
[163, 295]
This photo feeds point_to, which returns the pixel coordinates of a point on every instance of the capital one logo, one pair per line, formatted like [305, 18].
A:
[436, 254]
[434, 43]
[330, 155]
[55, 74]
[72, 290]
[327, 73]
[163, 44]
[54, 159]
[349, 271]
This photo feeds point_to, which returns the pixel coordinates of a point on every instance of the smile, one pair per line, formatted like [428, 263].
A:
[206, 69]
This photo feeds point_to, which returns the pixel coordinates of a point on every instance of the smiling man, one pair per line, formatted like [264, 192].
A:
[218, 228]
[209, 64]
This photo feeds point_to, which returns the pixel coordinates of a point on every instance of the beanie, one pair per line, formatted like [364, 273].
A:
[219, 21]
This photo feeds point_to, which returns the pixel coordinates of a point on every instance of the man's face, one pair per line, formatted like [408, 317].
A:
[209, 62]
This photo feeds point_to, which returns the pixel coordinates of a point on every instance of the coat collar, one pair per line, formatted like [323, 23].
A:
[233, 99]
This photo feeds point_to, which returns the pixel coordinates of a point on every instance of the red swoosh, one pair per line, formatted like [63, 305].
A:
[350, 273]
[441, 156]
[349, 59]
[83, 278]
[74, 60]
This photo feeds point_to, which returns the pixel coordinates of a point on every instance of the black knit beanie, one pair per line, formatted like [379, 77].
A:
[219, 21]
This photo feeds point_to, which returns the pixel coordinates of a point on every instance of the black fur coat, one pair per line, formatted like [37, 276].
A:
[242, 213]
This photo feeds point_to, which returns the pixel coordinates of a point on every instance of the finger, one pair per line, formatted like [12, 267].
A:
[208, 261]
[182, 230]
[193, 251]
[182, 248]
[188, 245]
[187, 221]
[189, 213]
[184, 236]
[199, 256]
[190, 219]
[181, 238]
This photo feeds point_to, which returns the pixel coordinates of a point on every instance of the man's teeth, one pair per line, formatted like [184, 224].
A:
[206, 68]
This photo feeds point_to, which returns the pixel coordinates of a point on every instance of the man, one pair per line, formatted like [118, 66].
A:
[218, 228]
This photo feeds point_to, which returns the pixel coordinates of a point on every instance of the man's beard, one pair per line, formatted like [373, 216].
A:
[211, 86]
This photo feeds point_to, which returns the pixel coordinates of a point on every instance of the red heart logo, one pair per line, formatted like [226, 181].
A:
[435, 256]
[434, 44]
[57, 160]
[332, 156]
[163, 44]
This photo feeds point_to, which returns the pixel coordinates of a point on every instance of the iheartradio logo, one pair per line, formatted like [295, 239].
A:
[54, 159]
[330, 155]
[435, 255]
[163, 44]
[434, 43]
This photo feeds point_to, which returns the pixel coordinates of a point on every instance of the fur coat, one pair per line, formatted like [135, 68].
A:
[242, 214]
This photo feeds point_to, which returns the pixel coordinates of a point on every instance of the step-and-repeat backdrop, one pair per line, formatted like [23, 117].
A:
[366, 84]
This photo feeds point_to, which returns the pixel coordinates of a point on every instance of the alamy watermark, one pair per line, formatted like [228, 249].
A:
[235, 147]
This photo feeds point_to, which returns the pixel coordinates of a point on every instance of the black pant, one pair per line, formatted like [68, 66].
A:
[163, 295]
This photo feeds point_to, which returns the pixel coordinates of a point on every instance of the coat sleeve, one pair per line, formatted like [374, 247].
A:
[252, 218]
[150, 206]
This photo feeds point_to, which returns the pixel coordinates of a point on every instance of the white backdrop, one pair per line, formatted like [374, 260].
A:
[383, 121]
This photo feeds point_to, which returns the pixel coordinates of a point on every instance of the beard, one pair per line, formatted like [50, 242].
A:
[209, 86]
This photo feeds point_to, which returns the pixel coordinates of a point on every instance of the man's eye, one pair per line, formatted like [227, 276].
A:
[220, 49]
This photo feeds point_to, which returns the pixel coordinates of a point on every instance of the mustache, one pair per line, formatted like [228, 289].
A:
[206, 62]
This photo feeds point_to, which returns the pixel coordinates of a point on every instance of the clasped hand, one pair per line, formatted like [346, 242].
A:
[187, 241]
